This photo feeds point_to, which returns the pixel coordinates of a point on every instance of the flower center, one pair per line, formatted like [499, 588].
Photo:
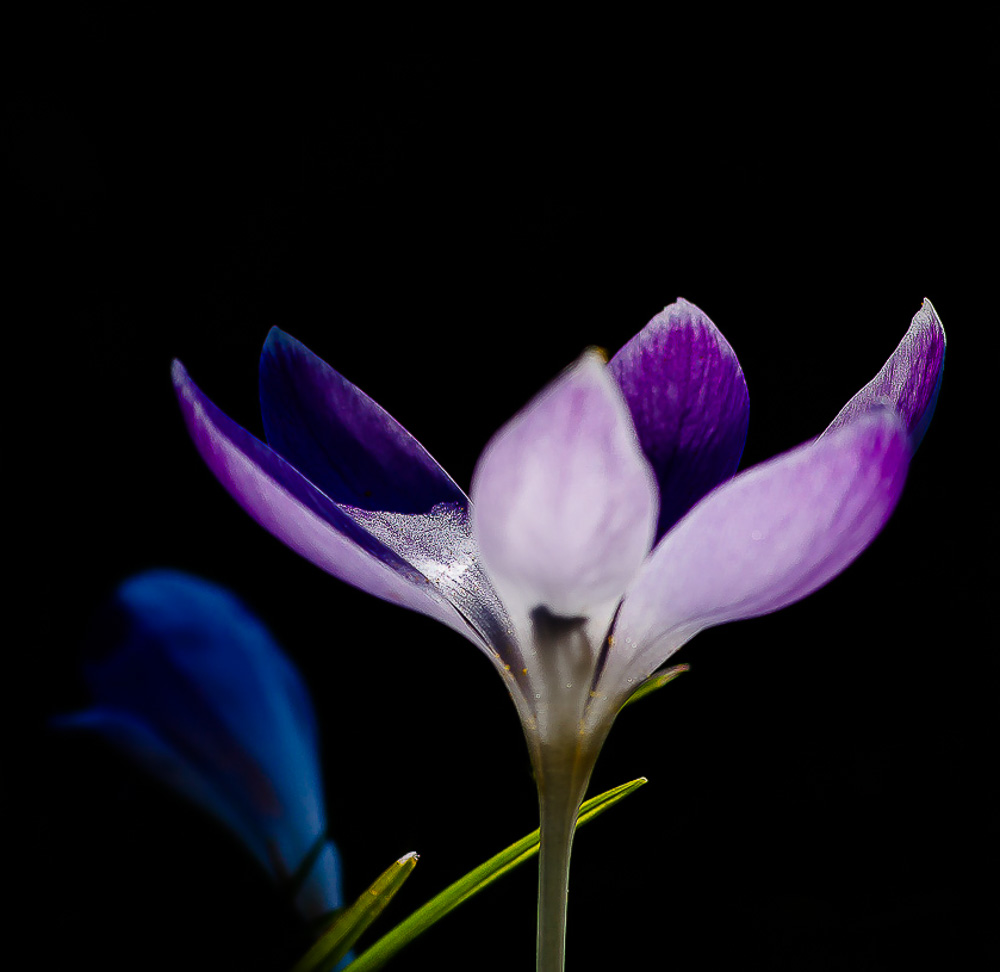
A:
[566, 661]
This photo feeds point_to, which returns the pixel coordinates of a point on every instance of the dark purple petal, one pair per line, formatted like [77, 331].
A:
[377, 473]
[564, 504]
[340, 439]
[909, 381]
[767, 538]
[289, 506]
[689, 403]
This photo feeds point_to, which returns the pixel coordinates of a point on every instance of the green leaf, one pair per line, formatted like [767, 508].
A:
[336, 941]
[655, 681]
[474, 882]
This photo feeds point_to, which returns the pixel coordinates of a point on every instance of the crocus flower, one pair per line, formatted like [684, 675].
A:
[192, 686]
[605, 529]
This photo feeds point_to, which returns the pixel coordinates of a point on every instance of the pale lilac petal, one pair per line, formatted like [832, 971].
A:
[688, 399]
[341, 440]
[767, 538]
[286, 504]
[909, 381]
[440, 545]
[563, 502]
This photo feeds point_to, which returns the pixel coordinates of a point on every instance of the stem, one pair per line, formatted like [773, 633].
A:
[563, 774]
[563, 751]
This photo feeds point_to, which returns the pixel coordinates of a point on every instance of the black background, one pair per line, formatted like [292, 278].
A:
[449, 223]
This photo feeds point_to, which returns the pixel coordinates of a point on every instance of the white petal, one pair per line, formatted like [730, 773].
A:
[564, 504]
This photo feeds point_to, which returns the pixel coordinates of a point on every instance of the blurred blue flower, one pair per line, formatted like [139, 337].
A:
[192, 686]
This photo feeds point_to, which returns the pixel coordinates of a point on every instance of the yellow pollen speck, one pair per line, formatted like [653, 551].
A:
[506, 668]
[524, 671]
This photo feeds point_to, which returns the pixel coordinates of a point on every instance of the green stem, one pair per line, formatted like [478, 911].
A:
[563, 774]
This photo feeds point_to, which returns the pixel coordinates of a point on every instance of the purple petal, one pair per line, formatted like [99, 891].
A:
[377, 473]
[289, 506]
[769, 537]
[340, 439]
[688, 399]
[909, 381]
[564, 504]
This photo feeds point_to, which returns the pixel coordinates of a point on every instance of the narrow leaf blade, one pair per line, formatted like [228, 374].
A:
[336, 941]
[656, 681]
[472, 883]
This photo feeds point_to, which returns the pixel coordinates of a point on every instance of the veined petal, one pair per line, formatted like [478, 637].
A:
[689, 403]
[440, 544]
[563, 503]
[909, 381]
[765, 539]
[299, 514]
[340, 439]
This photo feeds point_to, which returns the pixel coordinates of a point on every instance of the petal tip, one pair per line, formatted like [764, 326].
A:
[684, 304]
[597, 353]
[928, 314]
[277, 339]
[184, 387]
[910, 379]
